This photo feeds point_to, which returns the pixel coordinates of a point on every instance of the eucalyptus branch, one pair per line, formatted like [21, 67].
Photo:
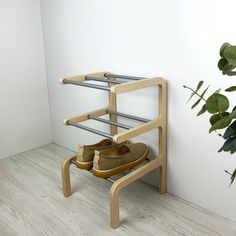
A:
[217, 104]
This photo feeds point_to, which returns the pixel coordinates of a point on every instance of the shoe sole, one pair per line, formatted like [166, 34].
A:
[119, 169]
[84, 165]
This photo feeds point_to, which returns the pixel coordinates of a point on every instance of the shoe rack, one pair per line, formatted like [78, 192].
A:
[117, 84]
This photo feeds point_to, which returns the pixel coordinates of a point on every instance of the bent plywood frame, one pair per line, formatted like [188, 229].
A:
[159, 122]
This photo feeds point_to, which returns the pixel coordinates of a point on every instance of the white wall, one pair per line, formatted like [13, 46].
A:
[24, 108]
[178, 40]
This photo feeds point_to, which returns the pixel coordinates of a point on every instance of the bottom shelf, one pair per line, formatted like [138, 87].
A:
[73, 161]
[118, 184]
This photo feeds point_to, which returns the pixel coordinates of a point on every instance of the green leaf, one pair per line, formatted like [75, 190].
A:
[233, 150]
[227, 63]
[194, 92]
[229, 144]
[217, 91]
[203, 110]
[220, 124]
[191, 96]
[196, 103]
[221, 149]
[216, 117]
[229, 53]
[223, 47]
[231, 89]
[233, 176]
[204, 92]
[228, 69]
[224, 122]
[230, 131]
[232, 115]
[223, 63]
[231, 73]
[217, 103]
[199, 85]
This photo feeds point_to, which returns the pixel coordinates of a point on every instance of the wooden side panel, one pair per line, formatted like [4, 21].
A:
[135, 85]
[162, 100]
[128, 134]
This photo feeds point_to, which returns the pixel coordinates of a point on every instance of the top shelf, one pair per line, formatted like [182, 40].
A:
[117, 84]
[124, 84]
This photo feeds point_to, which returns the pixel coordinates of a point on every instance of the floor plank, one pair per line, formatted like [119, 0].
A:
[31, 203]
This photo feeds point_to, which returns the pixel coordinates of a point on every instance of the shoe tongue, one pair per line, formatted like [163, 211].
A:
[124, 149]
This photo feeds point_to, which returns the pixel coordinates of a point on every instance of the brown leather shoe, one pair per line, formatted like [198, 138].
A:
[117, 159]
[86, 153]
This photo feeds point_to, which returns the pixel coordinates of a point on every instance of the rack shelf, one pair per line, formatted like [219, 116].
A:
[115, 87]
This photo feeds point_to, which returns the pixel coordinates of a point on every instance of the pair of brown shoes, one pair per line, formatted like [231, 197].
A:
[107, 158]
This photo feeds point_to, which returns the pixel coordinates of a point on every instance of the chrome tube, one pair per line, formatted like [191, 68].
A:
[109, 122]
[103, 80]
[123, 76]
[67, 81]
[128, 116]
[90, 129]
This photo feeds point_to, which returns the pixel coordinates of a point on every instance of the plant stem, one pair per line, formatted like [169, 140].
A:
[195, 92]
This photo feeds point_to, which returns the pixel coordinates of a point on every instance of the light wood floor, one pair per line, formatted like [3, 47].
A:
[31, 203]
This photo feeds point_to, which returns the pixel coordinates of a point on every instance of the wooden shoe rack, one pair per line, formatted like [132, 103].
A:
[117, 84]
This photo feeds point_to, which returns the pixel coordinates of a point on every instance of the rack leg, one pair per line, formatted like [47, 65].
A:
[163, 179]
[114, 207]
[65, 172]
[124, 181]
[162, 155]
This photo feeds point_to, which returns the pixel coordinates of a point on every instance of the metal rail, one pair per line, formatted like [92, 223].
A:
[103, 80]
[73, 161]
[90, 129]
[67, 81]
[110, 122]
[109, 179]
[123, 76]
[128, 116]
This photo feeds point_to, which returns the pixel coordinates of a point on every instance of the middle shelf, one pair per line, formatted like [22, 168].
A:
[130, 132]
